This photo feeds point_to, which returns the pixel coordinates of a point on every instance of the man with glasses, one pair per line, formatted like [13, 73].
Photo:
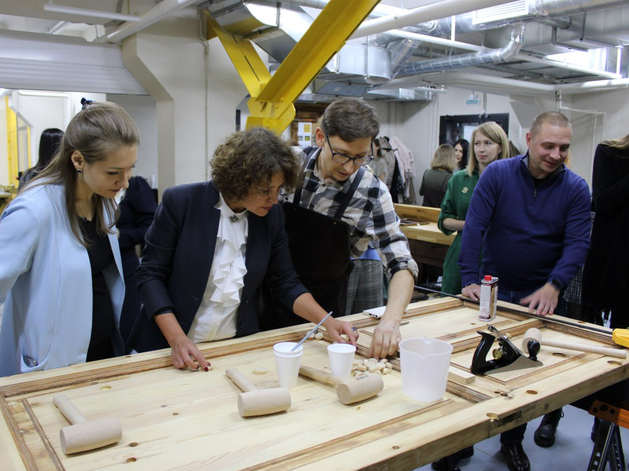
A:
[340, 209]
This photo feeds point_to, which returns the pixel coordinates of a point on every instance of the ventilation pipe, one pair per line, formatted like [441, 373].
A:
[426, 13]
[470, 60]
[401, 52]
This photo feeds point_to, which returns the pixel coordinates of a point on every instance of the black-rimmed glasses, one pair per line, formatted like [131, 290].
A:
[343, 159]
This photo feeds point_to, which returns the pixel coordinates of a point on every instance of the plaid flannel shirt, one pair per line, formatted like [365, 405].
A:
[370, 213]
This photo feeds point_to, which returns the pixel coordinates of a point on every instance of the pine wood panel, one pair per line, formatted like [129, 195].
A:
[189, 420]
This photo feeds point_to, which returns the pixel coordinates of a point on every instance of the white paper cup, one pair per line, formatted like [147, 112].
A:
[287, 362]
[341, 357]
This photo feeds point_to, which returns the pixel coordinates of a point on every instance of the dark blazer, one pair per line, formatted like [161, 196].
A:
[178, 256]
[605, 276]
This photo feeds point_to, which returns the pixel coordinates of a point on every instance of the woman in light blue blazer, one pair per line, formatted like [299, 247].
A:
[61, 276]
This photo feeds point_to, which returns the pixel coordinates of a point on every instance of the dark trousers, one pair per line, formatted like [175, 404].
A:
[513, 436]
[516, 435]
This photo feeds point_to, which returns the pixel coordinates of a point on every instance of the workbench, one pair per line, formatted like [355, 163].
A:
[187, 420]
[427, 243]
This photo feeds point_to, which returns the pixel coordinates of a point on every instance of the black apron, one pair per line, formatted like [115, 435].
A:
[320, 250]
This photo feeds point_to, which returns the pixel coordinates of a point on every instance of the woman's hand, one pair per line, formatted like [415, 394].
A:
[185, 353]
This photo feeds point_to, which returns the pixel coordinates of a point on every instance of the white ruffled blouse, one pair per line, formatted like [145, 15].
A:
[216, 317]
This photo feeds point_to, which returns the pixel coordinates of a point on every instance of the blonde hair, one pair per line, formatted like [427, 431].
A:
[622, 143]
[496, 134]
[97, 131]
[444, 158]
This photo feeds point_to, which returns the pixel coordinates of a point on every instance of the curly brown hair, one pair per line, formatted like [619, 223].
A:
[247, 161]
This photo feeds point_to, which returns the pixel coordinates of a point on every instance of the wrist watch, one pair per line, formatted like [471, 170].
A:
[555, 283]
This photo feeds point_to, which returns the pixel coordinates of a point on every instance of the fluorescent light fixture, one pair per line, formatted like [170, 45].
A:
[93, 13]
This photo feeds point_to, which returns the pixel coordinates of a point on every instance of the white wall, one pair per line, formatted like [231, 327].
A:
[590, 129]
[417, 124]
[41, 110]
[143, 111]
[48, 109]
[594, 117]
[196, 90]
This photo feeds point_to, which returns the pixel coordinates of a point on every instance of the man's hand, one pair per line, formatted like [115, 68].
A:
[472, 291]
[543, 301]
[386, 338]
[336, 327]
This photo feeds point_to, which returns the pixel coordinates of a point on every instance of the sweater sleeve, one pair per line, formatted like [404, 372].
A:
[477, 221]
[576, 236]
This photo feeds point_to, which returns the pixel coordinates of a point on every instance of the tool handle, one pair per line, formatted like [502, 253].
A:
[68, 409]
[240, 380]
[585, 348]
[319, 375]
[311, 331]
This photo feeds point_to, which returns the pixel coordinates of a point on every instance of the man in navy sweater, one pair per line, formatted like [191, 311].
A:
[529, 217]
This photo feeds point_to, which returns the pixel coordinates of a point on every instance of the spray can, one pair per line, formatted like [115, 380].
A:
[488, 298]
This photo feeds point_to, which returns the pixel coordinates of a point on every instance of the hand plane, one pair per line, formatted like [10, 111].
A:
[506, 358]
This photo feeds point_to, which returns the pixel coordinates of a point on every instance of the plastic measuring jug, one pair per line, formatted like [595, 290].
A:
[425, 364]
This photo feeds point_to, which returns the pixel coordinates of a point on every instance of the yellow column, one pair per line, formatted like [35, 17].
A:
[12, 144]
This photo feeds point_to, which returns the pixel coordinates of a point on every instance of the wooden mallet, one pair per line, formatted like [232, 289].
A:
[85, 435]
[536, 335]
[349, 391]
[253, 402]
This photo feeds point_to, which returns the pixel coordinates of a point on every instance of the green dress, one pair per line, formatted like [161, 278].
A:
[455, 204]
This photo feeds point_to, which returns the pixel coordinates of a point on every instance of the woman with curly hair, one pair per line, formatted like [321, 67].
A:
[210, 247]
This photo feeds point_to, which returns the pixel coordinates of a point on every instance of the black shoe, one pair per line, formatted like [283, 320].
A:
[456, 457]
[516, 458]
[545, 433]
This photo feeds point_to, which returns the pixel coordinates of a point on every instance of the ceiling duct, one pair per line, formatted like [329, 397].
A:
[504, 15]
[401, 52]
[470, 60]
[402, 94]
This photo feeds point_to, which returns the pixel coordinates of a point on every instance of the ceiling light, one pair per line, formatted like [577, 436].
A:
[92, 13]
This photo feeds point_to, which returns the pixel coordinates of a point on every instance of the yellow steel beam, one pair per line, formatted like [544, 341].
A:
[271, 103]
[325, 37]
[250, 67]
